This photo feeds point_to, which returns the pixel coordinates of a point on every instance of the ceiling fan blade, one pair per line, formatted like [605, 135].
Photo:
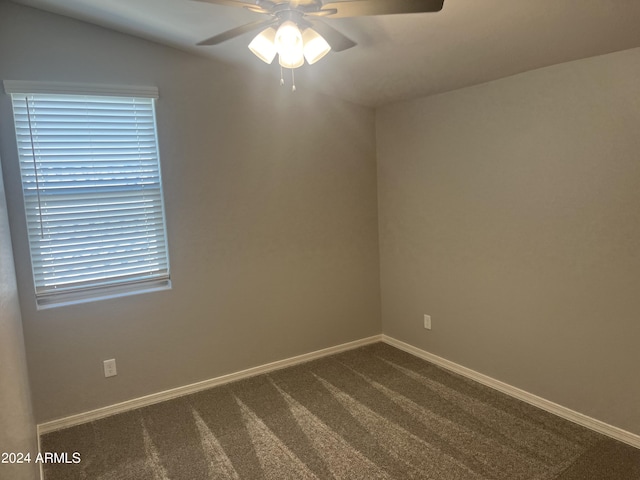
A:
[236, 32]
[357, 8]
[253, 5]
[325, 12]
[337, 40]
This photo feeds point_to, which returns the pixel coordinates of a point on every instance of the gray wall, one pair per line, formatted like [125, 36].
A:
[17, 425]
[271, 213]
[510, 213]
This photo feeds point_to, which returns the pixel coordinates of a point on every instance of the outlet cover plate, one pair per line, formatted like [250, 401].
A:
[110, 368]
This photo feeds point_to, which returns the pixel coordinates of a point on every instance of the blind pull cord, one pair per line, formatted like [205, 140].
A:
[35, 169]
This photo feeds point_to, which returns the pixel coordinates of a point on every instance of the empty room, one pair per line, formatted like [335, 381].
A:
[351, 239]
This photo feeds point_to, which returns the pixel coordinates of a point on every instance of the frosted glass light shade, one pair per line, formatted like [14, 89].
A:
[263, 45]
[293, 60]
[288, 43]
[315, 47]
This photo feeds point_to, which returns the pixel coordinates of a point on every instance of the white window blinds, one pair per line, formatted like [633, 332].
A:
[93, 194]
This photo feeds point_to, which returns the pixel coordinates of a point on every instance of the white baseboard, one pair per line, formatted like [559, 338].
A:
[132, 404]
[551, 407]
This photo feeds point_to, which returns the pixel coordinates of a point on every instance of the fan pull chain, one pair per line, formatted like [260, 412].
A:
[293, 79]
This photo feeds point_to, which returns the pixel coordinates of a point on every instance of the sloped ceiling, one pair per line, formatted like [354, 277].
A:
[398, 57]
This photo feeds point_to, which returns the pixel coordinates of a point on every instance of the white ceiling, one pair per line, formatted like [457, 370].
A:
[398, 56]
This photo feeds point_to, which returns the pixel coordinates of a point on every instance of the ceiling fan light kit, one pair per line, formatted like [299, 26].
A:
[291, 45]
[294, 40]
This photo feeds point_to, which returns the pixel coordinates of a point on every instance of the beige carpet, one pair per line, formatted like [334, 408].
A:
[370, 413]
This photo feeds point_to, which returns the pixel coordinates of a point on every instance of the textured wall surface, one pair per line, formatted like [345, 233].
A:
[271, 213]
[17, 425]
[509, 212]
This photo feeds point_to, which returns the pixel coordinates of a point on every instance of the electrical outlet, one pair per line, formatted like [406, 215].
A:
[427, 322]
[110, 368]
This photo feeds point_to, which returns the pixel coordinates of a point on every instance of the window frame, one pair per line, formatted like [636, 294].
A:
[110, 287]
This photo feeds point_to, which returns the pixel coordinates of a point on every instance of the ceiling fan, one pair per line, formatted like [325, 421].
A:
[288, 33]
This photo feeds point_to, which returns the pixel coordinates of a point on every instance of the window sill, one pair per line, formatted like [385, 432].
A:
[75, 298]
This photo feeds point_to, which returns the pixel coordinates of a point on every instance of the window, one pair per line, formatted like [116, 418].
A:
[92, 190]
